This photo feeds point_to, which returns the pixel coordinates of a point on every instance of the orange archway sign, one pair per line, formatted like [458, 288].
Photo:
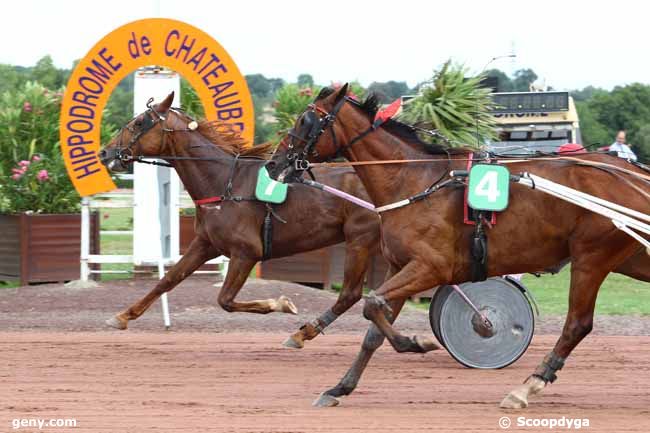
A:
[155, 41]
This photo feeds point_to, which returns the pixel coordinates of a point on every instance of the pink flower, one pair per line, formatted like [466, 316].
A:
[42, 175]
[16, 176]
[27, 107]
[36, 158]
[24, 163]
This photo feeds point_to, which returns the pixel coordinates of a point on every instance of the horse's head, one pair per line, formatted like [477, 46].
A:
[316, 136]
[144, 135]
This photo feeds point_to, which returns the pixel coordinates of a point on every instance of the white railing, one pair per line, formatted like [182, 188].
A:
[125, 201]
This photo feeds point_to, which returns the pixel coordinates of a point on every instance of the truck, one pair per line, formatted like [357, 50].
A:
[531, 123]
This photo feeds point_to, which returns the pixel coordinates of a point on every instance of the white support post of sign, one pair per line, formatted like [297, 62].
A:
[85, 240]
[156, 189]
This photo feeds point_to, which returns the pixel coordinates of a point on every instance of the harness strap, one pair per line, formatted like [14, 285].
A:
[267, 234]
[231, 177]
[216, 199]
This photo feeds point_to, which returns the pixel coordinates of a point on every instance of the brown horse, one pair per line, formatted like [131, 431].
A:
[232, 227]
[427, 244]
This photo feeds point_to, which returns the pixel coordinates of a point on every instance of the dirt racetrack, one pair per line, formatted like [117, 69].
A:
[218, 372]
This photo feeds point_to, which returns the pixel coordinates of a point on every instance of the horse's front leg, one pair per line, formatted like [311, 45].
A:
[239, 269]
[587, 274]
[357, 259]
[411, 279]
[199, 252]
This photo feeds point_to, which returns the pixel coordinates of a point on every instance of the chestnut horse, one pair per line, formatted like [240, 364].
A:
[232, 227]
[427, 244]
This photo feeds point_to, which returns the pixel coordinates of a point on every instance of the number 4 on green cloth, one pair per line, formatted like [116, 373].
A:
[488, 187]
[269, 190]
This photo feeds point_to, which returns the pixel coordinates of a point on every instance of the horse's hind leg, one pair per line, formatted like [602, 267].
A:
[587, 274]
[371, 342]
[356, 264]
[199, 252]
[239, 269]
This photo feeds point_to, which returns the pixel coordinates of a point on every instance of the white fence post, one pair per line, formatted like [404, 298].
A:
[85, 240]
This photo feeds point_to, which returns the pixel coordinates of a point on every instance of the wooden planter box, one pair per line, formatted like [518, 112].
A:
[324, 266]
[43, 248]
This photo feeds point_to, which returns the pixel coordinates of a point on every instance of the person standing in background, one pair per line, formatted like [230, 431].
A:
[623, 150]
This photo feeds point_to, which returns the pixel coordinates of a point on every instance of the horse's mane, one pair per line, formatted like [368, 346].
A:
[370, 106]
[222, 135]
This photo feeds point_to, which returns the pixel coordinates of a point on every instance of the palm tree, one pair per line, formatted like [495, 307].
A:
[454, 104]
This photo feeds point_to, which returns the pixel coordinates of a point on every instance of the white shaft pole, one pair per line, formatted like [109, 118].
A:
[163, 297]
[631, 212]
[85, 239]
[584, 200]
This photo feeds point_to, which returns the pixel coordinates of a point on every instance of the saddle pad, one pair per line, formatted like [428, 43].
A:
[269, 190]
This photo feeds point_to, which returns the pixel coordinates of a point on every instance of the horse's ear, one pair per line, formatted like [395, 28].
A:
[163, 107]
[343, 91]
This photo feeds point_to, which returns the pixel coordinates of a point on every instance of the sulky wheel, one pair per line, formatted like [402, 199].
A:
[467, 339]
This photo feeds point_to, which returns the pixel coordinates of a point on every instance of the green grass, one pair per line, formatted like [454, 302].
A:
[116, 219]
[619, 295]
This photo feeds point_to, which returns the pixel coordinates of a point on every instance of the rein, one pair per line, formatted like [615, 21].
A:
[578, 161]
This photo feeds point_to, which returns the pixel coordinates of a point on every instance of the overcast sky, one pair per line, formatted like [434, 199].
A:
[570, 44]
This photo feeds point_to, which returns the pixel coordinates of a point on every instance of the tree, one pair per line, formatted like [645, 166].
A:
[290, 101]
[504, 83]
[523, 79]
[454, 104]
[592, 131]
[276, 84]
[190, 101]
[258, 85]
[389, 91]
[9, 78]
[641, 145]
[305, 80]
[119, 108]
[587, 93]
[47, 74]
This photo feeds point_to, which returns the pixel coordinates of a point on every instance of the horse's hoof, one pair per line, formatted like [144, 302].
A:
[116, 323]
[293, 343]
[426, 344]
[514, 400]
[286, 306]
[326, 400]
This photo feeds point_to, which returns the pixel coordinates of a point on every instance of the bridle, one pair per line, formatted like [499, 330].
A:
[316, 126]
[150, 118]
[125, 153]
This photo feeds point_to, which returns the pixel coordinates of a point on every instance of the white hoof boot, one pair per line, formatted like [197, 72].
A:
[325, 400]
[284, 305]
[518, 398]
[293, 343]
[116, 323]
